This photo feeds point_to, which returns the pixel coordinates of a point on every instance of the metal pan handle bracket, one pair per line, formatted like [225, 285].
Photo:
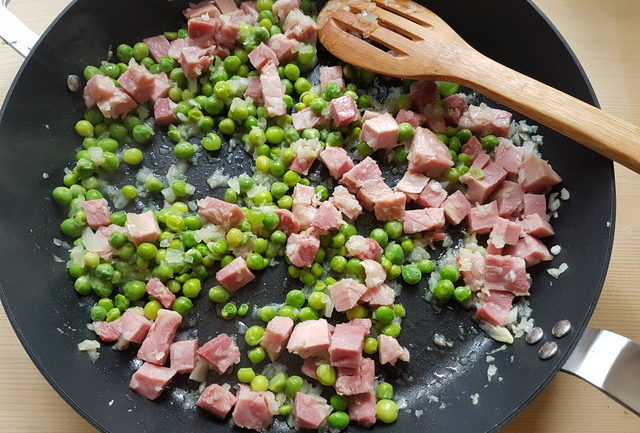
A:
[14, 32]
[611, 363]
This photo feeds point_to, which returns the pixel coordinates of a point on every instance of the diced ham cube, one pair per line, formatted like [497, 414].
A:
[374, 273]
[345, 202]
[276, 336]
[220, 212]
[368, 114]
[158, 47]
[161, 87]
[261, 55]
[510, 197]
[304, 205]
[507, 273]
[380, 132]
[287, 222]
[344, 110]
[309, 367]
[537, 226]
[281, 8]
[254, 89]
[390, 207]
[535, 204]
[478, 190]
[456, 207]
[164, 111]
[182, 355]
[310, 410]
[229, 28]
[530, 249]
[505, 232]
[310, 338]
[428, 154]
[346, 293]
[109, 331]
[299, 26]
[160, 292]
[456, 105]
[203, 30]
[481, 160]
[204, 8]
[112, 101]
[282, 46]
[362, 408]
[195, 60]
[155, 348]
[363, 248]
[494, 307]
[482, 218]
[150, 380]
[306, 151]
[493, 249]
[434, 117]
[358, 380]
[346, 346]
[217, 400]
[254, 410]
[433, 195]
[364, 172]
[226, 6]
[235, 275]
[220, 353]
[485, 120]
[98, 242]
[379, 295]
[272, 91]
[306, 118]
[423, 93]
[97, 212]
[390, 350]
[412, 184]
[372, 192]
[472, 147]
[536, 175]
[508, 157]
[134, 326]
[142, 227]
[422, 220]
[408, 116]
[336, 160]
[176, 46]
[331, 74]
[471, 265]
[250, 12]
[327, 218]
[302, 248]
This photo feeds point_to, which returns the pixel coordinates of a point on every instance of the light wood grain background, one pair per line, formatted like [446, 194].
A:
[605, 36]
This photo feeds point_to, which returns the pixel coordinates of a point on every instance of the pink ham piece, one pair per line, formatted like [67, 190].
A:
[306, 118]
[309, 367]
[530, 249]
[434, 117]
[254, 410]
[508, 157]
[250, 12]
[366, 171]
[428, 154]
[158, 47]
[358, 380]
[226, 6]
[299, 26]
[536, 175]
[98, 242]
[390, 350]
[362, 408]
[302, 248]
[481, 160]
[372, 192]
[505, 232]
[261, 55]
[195, 60]
[423, 93]
[456, 208]
[176, 46]
[160, 292]
[347, 342]
[281, 8]
[472, 147]
[478, 190]
[155, 348]
[537, 226]
[363, 248]
[304, 206]
[374, 273]
[343, 110]
[276, 336]
[378, 295]
[455, 105]
[254, 89]
[412, 184]
[380, 132]
[494, 307]
[229, 29]
[390, 207]
[327, 218]
[272, 91]
[282, 46]
[217, 400]
[109, 331]
[161, 87]
[368, 114]
[203, 30]
[220, 353]
[204, 8]
[508, 274]
[471, 265]
[150, 380]
[331, 74]
[306, 151]
[346, 293]
[182, 356]
[483, 120]
[345, 202]
[336, 160]
[433, 195]
[482, 218]
[510, 197]
[112, 101]
[235, 275]
[164, 111]
[287, 223]
[97, 212]
[142, 227]
[535, 204]
[310, 338]
[311, 411]
[134, 326]
[220, 212]
[493, 249]
[422, 220]
[408, 116]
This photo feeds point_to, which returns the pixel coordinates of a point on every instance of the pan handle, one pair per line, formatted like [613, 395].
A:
[15, 33]
[611, 363]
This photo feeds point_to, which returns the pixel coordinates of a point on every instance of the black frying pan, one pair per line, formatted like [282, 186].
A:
[37, 137]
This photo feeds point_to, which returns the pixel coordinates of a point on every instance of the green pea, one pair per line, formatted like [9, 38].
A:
[443, 290]
[411, 274]
[462, 294]
[339, 402]
[140, 51]
[489, 142]
[338, 420]
[393, 229]
[394, 253]
[134, 290]
[354, 267]
[384, 390]
[326, 374]
[405, 131]
[447, 89]
[464, 135]
[259, 384]
[285, 202]
[229, 311]
[392, 330]
[425, 265]
[183, 150]
[98, 313]
[84, 128]
[307, 313]
[62, 195]
[70, 228]
[380, 236]
[295, 298]
[386, 411]
[104, 271]
[83, 285]
[267, 313]
[142, 134]
[124, 53]
[257, 355]
[254, 335]
[290, 312]
[151, 309]
[450, 273]
[370, 345]
[191, 288]
[218, 294]
[246, 374]
[384, 314]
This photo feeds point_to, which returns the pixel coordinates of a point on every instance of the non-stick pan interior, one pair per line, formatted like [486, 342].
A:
[37, 142]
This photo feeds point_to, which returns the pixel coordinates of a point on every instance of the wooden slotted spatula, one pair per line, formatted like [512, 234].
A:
[424, 47]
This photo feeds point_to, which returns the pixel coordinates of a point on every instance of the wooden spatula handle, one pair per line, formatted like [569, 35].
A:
[600, 131]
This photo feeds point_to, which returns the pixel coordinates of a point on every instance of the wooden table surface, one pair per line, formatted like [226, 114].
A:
[605, 37]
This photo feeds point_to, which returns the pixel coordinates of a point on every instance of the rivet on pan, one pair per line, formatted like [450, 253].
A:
[561, 328]
[548, 350]
[73, 83]
[535, 335]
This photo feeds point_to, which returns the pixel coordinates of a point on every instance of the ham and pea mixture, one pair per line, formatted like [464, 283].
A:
[236, 74]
